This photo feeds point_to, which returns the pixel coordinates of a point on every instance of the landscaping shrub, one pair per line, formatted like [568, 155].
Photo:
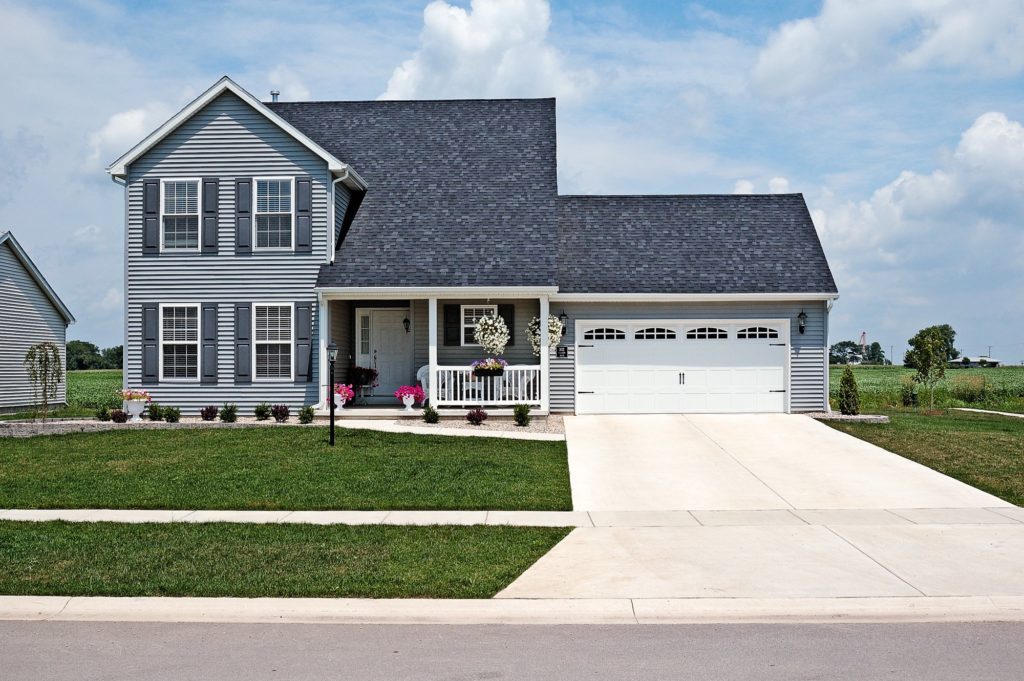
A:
[103, 414]
[970, 388]
[522, 414]
[908, 391]
[476, 416]
[172, 414]
[229, 412]
[280, 412]
[209, 413]
[849, 398]
[154, 412]
[262, 411]
[306, 414]
[430, 415]
[119, 416]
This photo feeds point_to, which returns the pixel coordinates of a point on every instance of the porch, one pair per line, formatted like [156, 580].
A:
[428, 340]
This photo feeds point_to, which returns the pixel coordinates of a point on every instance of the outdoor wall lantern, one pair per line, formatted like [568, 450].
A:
[405, 323]
[801, 320]
[564, 318]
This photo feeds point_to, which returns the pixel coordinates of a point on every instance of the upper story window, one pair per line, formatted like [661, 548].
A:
[273, 341]
[471, 314]
[274, 213]
[180, 215]
[179, 342]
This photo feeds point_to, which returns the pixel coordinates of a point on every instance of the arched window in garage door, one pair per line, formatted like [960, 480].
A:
[752, 332]
[707, 333]
[604, 333]
[655, 333]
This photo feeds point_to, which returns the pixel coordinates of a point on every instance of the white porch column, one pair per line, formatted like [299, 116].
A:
[323, 322]
[432, 351]
[545, 359]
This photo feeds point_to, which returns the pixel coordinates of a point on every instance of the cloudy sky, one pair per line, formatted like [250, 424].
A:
[900, 122]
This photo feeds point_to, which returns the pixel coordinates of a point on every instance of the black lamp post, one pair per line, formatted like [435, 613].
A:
[332, 355]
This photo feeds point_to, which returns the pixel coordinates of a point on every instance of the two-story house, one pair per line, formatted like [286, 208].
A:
[258, 232]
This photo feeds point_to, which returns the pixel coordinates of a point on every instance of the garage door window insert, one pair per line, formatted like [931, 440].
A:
[273, 342]
[604, 334]
[707, 333]
[756, 332]
[655, 333]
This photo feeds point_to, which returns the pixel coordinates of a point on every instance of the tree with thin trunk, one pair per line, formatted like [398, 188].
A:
[929, 354]
[45, 371]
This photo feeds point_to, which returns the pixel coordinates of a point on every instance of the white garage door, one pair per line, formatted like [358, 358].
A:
[658, 367]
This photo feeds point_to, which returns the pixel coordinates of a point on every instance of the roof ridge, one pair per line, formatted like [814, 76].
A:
[672, 196]
[415, 101]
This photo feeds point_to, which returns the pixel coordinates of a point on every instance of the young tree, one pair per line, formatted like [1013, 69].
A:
[849, 396]
[929, 354]
[947, 338]
[45, 370]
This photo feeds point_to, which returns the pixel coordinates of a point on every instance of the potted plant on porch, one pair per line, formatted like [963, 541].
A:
[409, 395]
[134, 401]
[492, 366]
[343, 393]
[491, 333]
[363, 378]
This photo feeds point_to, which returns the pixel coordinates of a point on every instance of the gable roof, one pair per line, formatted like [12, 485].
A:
[37, 276]
[461, 192]
[119, 168]
[694, 244]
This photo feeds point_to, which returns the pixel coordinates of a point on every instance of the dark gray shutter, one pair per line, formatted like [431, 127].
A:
[508, 313]
[303, 343]
[452, 325]
[304, 215]
[211, 203]
[150, 217]
[150, 343]
[208, 344]
[243, 215]
[243, 343]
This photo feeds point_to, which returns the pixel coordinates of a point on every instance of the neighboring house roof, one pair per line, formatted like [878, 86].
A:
[699, 244]
[30, 267]
[461, 192]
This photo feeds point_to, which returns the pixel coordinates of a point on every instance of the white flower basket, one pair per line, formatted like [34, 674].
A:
[492, 334]
[554, 333]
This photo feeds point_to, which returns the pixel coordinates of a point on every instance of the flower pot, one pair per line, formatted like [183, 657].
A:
[339, 401]
[135, 408]
[485, 373]
[408, 401]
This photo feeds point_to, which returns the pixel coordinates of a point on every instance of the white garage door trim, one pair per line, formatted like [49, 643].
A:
[633, 325]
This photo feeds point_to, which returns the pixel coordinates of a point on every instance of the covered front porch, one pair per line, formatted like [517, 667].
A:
[426, 338]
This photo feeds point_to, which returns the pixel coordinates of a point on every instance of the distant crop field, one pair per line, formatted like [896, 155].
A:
[94, 389]
[1000, 388]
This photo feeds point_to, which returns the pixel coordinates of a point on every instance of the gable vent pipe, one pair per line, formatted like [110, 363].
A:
[274, 94]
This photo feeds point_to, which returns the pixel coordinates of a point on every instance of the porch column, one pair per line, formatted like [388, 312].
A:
[432, 351]
[323, 325]
[545, 359]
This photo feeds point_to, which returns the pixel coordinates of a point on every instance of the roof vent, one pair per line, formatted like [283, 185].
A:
[274, 94]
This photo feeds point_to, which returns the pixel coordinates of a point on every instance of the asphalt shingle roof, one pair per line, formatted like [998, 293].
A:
[690, 244]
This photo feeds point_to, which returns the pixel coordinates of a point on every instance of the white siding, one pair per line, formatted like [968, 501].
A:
[27, 317]
[227, 139]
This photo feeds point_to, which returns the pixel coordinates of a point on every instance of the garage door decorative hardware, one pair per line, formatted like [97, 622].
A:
[584, 392]
[776, 391]
[782, 345]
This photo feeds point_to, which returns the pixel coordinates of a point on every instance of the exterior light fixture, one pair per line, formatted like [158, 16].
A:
[801, 320]
[405, 323]
[332, 356]
[564, 318]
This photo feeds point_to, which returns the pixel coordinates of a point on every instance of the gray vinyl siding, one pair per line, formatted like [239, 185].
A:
[27, 317]
[463, 355]
[808, 375]
[227, 139]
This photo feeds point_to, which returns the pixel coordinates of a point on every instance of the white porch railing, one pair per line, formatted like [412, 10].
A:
[520, 384]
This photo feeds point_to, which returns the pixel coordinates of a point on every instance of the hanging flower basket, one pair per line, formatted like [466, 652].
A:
[492, 366]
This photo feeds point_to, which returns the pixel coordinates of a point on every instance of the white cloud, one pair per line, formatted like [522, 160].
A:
[122, 131]
[743, 187]
[289, 84]
[111, 301]
[498, 48]
[778, 185]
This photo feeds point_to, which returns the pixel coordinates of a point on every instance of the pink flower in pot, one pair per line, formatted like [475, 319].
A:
[342, 394]
[410, 395]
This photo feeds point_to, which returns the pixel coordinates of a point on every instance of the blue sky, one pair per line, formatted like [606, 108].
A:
[900, 122]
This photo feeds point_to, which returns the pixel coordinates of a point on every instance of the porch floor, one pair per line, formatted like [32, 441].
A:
[384, 412]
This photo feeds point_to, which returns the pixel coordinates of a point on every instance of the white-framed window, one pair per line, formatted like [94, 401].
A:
[471, 314]
[273, 341]
[179, 342]
[752, 332]
[655, 333]
[707, 333]
[604, 333]
[364, 334]
[179, 214]
[274, 225]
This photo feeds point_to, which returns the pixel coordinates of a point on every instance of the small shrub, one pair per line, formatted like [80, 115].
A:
[476, 416]
[280, 412]
[262, 411]
[522, 414]
[154, 412]
[306, 414]
[908, 391]
[849, 398]
[209, 413]
[430, 415]
[970, 388]
[119, 416]
[103, 414]
[229, 412]
[172, 414]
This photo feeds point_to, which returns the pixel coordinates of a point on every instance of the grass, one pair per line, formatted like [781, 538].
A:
[91, 390]
[58, 413]
[222, 559]
[287, 468]
[879, 387]
[983, 450]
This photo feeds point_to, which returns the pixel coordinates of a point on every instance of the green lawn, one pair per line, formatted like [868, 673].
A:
[980, 449]
[880, 387]
[221, 559]
[281, 468]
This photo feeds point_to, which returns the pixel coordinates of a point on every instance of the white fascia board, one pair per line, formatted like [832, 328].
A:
[384, 292]
[119, 168]
[37, 276]
[688, 297]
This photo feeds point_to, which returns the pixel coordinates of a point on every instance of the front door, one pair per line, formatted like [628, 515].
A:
[389, 350]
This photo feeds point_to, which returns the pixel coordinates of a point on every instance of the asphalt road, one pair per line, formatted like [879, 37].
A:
[296, 652]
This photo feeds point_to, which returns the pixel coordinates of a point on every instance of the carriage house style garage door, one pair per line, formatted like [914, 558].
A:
[666, 366]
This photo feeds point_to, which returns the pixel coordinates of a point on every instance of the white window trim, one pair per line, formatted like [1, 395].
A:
[199, 214]
[291, 364]
[255, 215]
[463, 326]
[198, 342]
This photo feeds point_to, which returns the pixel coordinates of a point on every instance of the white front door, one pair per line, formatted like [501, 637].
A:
[385, 345]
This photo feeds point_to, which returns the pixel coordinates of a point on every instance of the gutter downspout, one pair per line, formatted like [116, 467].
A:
[124, 354]
[828, 388]
[334, 211]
